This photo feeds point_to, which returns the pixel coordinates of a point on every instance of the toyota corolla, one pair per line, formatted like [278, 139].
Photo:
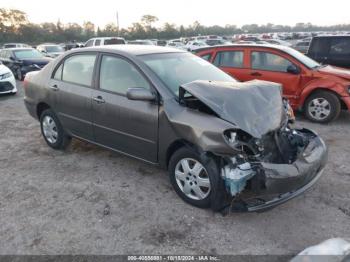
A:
[227, 145]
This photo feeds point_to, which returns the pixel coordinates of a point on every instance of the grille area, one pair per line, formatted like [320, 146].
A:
[5, 87]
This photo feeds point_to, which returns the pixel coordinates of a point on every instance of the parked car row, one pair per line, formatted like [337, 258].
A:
[320, 91]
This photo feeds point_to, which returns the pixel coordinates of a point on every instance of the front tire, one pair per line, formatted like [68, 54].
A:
[52, 130]
[195, 178]
[322, 107]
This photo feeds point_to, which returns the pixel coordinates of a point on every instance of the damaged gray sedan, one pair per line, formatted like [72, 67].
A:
[227, 145]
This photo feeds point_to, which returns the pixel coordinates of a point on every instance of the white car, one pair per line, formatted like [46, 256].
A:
[278, 42]
[97, 41]
[7, 81]
[194, 45]
[176, 44]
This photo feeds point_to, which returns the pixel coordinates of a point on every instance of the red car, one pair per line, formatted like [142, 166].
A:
[320, 91]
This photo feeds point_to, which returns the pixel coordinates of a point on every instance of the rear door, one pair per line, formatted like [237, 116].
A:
[270, 65]
[71, 91]
[233, 62]
[124, 125]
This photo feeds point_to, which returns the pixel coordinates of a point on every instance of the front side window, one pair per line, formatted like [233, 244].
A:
[229, 59]
[269, 62]
[78, 69]
[117, 75]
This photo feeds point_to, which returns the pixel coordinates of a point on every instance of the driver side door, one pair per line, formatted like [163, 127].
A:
[128, 126]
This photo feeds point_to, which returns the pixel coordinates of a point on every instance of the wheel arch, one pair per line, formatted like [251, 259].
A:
[40, 108]
[314, 90]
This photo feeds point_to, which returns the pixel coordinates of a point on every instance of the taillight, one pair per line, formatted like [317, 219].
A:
[25, 82]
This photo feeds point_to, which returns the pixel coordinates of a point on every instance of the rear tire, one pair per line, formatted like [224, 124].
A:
[322, 107]
[207, 182]
[52, 130]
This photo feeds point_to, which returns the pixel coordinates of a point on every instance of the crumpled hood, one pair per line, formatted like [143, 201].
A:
[256, 106]
[337, 71]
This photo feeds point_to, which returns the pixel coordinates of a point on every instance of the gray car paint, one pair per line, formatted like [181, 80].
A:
[139, 135]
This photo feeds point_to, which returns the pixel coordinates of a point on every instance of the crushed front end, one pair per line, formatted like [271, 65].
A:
[271, 170]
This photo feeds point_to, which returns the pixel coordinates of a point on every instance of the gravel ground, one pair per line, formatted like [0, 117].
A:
[88, 200]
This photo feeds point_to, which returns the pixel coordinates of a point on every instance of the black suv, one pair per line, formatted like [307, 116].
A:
[332, 50]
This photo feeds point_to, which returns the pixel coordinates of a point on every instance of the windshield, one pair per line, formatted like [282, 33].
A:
[176, 69]
[54, 49]
[307, 61]
[28, 53]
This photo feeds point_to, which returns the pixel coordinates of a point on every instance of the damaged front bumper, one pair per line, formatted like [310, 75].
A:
[274, 184]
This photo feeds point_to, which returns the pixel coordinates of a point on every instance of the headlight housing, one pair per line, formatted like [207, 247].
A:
[6, 75]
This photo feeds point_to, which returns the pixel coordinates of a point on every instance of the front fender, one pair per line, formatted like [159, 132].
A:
[326, 85]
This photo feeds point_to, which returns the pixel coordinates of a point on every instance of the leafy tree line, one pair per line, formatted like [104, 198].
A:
[15, 27]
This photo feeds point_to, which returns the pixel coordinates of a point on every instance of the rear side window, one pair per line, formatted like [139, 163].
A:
[117, 75]
[229, 59]
[269, 62]
[114, 41]
[206, 56]
[78, 69]
[340, 46]
[97, 42]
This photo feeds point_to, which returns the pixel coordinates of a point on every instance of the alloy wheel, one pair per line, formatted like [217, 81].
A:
[50, 129]
[319, 108]
[192, 178]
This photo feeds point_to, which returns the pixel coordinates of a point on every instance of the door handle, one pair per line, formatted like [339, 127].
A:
[255, 74]
[99, 100]
[54, 88]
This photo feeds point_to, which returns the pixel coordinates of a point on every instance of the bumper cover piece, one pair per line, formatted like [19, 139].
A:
[283, 182]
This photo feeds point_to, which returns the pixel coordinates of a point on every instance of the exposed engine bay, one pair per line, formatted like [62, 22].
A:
[269, 158]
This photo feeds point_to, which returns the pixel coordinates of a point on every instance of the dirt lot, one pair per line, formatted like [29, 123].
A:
[88, 200]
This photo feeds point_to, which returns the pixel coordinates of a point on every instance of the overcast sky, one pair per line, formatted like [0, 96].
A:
[207, 12]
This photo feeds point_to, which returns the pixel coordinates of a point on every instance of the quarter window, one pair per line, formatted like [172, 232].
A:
[58, 73]
[269, 62]
[117, 75]
[78, 69]
[229, 59]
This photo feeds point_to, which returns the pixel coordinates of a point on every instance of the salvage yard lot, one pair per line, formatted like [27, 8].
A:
[89, 200]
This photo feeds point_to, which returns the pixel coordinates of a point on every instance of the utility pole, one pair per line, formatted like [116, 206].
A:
[117, 24]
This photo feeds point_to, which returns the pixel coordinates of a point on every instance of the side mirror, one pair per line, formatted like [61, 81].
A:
[12, 58]
[293, 69]
[141, 94]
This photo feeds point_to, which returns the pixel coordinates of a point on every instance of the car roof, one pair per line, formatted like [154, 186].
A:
[278, 47]
[331, 36]
[19, 48]
[133, 49]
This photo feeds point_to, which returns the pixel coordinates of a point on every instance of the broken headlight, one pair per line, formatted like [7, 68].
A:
[289, 111]
[242, 142]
